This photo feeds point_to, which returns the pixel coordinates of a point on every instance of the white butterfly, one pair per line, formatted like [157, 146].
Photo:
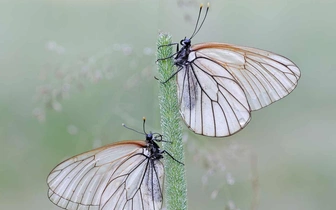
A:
[123, 175]
[220, 84]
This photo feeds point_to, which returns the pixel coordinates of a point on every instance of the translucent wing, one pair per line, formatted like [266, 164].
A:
[116, 176]
[220, 84]
[212, 103]
[264, 76]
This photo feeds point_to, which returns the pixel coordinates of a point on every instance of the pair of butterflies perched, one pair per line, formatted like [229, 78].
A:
[218, 86]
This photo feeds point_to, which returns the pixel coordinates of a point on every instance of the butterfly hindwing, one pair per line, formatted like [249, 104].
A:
[212, 103]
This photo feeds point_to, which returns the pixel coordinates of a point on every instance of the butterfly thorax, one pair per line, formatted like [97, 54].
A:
[181, 58]
[153, 148]
[156, 152]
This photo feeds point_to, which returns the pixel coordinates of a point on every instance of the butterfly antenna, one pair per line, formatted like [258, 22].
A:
[199, 14]
[132, 128]
[143, 125]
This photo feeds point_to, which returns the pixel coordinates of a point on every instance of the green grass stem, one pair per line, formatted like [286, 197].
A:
[175, 187]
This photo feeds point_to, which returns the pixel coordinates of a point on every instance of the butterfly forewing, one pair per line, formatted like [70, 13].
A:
[265, 77]
[116, 176]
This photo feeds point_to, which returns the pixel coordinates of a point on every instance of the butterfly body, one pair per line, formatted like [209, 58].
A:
[182, 55]
[155, 153]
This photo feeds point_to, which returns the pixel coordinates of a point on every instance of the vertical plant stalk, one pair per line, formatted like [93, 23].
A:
[175, 187]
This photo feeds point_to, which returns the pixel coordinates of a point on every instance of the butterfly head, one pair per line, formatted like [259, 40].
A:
[149, 136]
[186, 42]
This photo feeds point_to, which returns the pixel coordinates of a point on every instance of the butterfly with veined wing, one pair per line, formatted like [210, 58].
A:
[220, 84]
[125, 175]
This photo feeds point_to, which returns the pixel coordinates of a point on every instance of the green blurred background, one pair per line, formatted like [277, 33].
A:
[72, 71]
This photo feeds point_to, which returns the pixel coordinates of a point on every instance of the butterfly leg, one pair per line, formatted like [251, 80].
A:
[164, 151]
[171, 76]
[171, 56]
[167, 45]
[162, 59]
